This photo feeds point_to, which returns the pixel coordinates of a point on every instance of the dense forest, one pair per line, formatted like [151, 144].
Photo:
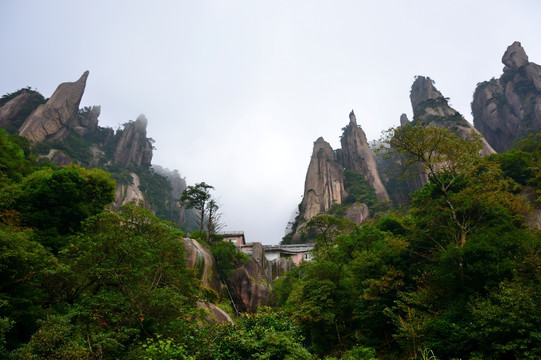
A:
[456, 275]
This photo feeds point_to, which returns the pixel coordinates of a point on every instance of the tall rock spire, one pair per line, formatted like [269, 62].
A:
[324, 184]
[357, 156]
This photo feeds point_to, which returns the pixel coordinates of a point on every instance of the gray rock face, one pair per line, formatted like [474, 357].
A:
[430, 107]
[15, 111]
[356, 155]
[324, 184]
[202, 261]
[53, 119]
[515, 57]
[250, 285]
[404, 119]
[508, 109]
[133, 148]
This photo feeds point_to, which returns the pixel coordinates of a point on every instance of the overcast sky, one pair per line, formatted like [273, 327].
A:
[236, 92]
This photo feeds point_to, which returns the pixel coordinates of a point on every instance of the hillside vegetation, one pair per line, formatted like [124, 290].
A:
[456, 275]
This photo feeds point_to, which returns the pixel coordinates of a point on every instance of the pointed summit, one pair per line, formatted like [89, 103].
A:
[352, 118]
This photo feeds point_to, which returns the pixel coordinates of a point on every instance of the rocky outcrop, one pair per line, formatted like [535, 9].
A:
[87, 120]
[15, 111]
[324, 184]
[202, 261]
[133, 148]
[509, 108]
[128, 193]
[357, 156]
[52, 120]
[214, 315]
[250, 285]
[404, 119]
[430, 107]
[358, 213]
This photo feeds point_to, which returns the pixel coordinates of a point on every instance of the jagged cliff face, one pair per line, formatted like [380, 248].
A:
[52, 120]
[325, 179]
[509, 108]
[59, 121]
[324, 184]
[133, 148]
[356, 155]
[431, 107]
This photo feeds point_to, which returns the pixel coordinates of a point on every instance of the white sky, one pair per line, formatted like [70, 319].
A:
[236, 92]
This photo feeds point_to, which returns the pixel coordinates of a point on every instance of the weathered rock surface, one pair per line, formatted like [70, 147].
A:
[129, 193]
[215, 314]
[430, 107]
[134, 148]
[358, 213]
[201, 259]
[250, 285]
[53, 119]
[404, 119]
[324, 184]
[27, 114]
[509, 108]
[357, 156]
[15, 111]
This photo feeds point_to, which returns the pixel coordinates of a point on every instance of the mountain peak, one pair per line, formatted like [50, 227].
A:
[352, 118]
[515, 57]
[422, 90]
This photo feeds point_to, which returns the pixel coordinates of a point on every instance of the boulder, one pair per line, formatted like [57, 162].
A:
[251, 285]
[215, 315]
[133, 148]
[202, 261]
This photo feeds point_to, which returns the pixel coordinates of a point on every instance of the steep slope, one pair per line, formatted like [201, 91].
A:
[133, 148]
[431, 107]
[324, 184]
[337, 180]
[509, 108]
[357, 156]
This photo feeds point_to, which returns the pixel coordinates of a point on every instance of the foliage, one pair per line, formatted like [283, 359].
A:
[359, 189]
[15, 158]
[55, 202]
[197, 197]
[268, 334]
[227, 258]
[123, 277]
